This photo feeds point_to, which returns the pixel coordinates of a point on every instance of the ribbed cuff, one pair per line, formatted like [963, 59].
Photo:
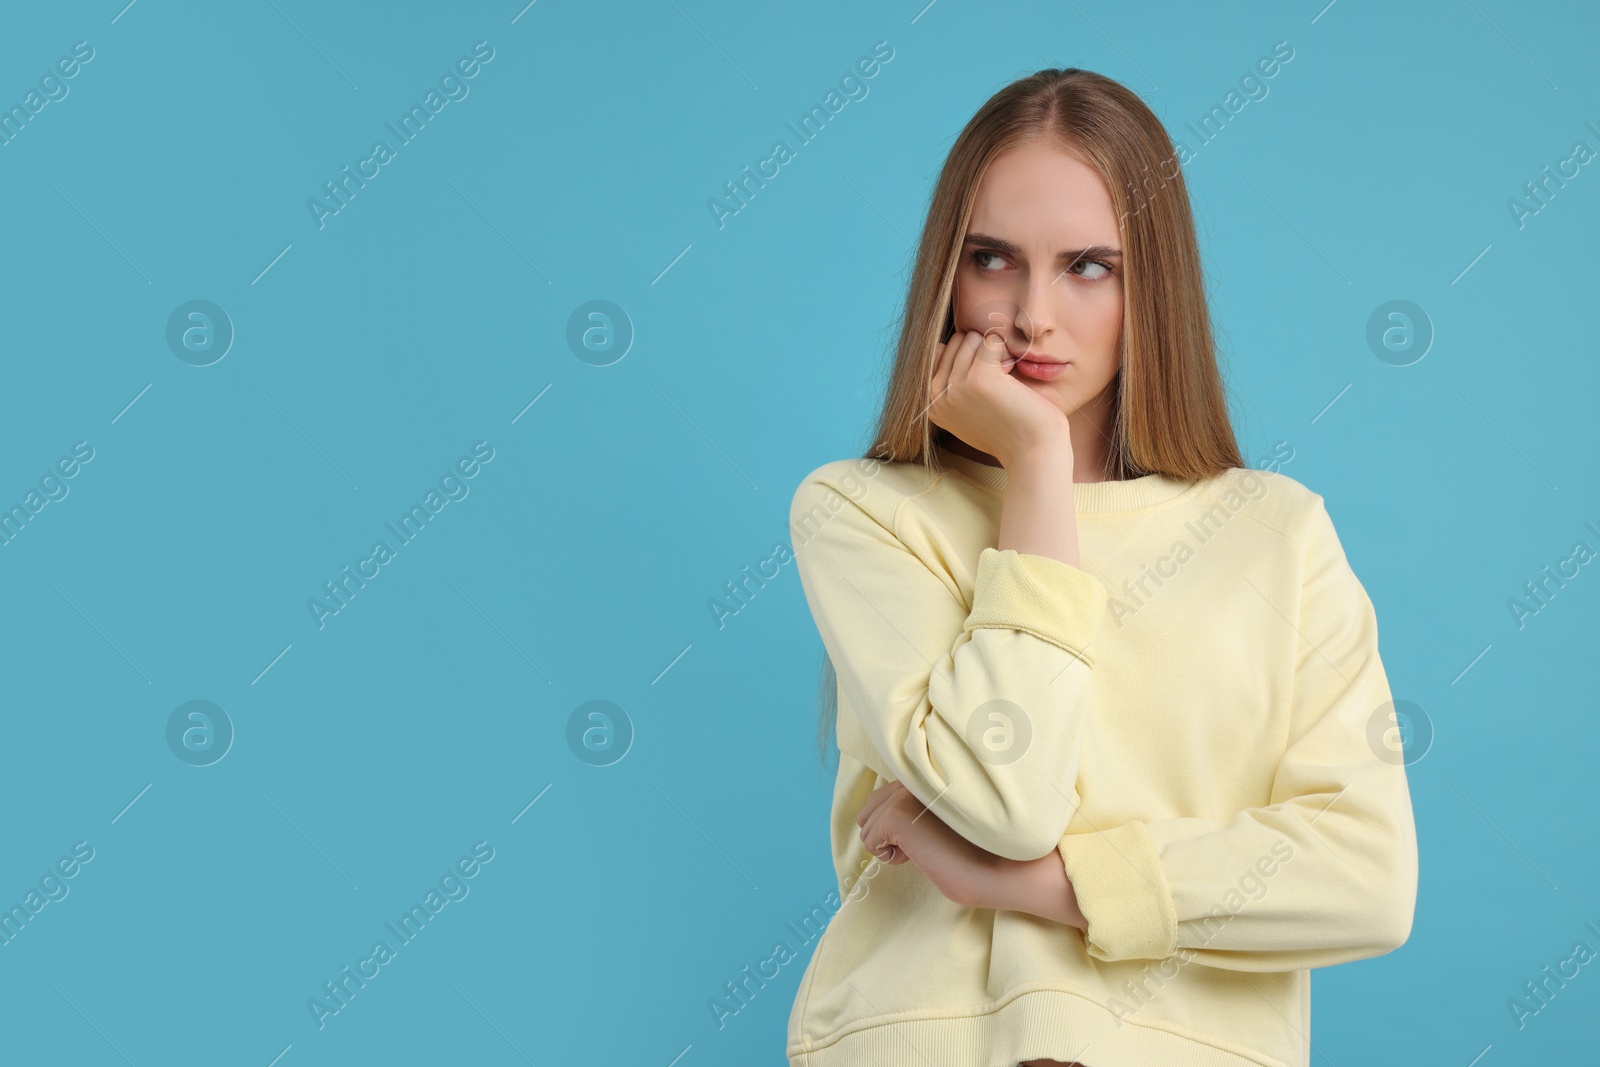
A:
[1122, 892]
[1046, 597]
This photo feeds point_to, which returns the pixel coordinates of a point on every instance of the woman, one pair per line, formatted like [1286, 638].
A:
[1116, 748]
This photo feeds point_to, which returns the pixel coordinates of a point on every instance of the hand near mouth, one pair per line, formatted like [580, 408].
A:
[979, 392]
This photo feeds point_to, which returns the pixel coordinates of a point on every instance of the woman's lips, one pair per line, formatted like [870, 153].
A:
[1039, 370]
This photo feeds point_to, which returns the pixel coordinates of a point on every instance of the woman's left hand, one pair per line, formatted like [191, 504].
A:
[895, 827]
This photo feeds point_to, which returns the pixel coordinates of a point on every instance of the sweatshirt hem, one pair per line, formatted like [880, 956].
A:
[1040, 1022]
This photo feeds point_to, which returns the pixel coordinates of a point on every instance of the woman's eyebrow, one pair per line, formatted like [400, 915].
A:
[1001, 245]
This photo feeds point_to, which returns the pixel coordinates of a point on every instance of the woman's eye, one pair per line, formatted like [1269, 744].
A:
[1104, 268]
[1093, 270]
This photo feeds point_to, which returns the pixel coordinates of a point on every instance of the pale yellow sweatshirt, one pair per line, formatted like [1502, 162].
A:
[1195, 720]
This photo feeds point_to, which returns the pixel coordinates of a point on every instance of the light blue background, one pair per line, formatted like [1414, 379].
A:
[432, 310]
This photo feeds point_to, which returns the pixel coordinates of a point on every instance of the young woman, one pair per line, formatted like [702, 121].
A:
[1117, 753]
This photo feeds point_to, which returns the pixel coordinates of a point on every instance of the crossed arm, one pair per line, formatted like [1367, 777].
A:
[897, 828]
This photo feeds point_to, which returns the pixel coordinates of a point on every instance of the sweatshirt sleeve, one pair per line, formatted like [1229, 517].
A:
[978, 711]
[1324, 874]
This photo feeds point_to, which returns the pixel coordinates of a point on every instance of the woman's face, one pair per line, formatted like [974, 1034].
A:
[1041, 267]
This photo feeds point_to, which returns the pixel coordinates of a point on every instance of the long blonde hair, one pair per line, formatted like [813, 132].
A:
[1170, 411]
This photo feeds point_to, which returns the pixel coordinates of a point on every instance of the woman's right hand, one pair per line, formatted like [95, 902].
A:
[974, 395]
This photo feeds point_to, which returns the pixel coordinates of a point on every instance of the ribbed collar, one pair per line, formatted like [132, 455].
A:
[1090, 498]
